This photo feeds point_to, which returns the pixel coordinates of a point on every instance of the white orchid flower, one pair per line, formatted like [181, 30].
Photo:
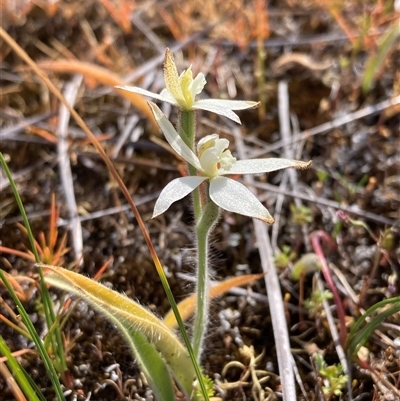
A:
[213, 162]
[182, 90]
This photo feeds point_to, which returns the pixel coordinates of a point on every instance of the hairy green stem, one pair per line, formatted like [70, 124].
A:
[203, 229]
[205, 219]
[187, 131]
[187, 127]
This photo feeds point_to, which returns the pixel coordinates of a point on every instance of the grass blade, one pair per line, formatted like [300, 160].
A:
[49, 312]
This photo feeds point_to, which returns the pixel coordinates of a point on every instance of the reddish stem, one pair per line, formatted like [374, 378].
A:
[316, 238]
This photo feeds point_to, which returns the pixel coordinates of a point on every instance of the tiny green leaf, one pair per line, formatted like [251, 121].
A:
[308, 263]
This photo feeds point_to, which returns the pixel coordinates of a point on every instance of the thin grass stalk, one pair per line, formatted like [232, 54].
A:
[316, 237]
[275, 300]
[50, 317]
[18, 373]
[38, 342]
[56, 339]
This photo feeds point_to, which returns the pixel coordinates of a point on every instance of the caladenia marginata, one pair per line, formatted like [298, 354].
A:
[211, 164]
[159, 352]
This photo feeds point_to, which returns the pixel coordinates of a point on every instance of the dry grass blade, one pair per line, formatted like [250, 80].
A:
[331, 125]
[188, 305]
[277, 309]
[120, 13]
[12, 384]
[102, 75]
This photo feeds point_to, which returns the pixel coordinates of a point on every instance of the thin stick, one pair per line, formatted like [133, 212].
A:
[70, 94]
[277, 309]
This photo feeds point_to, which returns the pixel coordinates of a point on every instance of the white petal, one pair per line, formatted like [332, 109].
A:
[175, 190]
[206, 142]
[221, 144]
[208, 161]
[145, 92]
[258, 166]
[173, 137]
[230, 104]
[202, 104]
[167, 96]
[198, 84]
[235, 197]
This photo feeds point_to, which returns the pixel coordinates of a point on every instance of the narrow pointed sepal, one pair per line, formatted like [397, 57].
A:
[173, 137]
[267, 165]
[144, 92]
[171, 78]
[225, 107]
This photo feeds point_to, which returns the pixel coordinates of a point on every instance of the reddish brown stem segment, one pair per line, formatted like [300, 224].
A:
[316, 238]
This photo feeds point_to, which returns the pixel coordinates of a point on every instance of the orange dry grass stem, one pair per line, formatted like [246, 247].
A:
[234, 20]
[364, 23]
[94, 73]
[47, 248]
[14, 282]
[120, 12]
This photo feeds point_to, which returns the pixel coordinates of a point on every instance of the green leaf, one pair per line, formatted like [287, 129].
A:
[375, 61]
[17, 372]
[308, 263]
[148, 358]
[139, 326]
[359, 335]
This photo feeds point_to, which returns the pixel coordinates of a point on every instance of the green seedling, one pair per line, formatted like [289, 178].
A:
[283, 259]
[308, 263]
[333, 378]
[375, 61]
[322, 175]
[363, 328]
[314, 303]
[301, 215]
[350, 187]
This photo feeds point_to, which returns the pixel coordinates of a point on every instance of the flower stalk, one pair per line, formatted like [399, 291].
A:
[187, 131]
[204, 227]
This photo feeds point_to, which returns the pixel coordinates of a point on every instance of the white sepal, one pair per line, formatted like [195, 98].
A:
[229, 104]
[235, 197]
[258, 166]
[176, 190]
[222, 111]
[173, 137]
[162, 96]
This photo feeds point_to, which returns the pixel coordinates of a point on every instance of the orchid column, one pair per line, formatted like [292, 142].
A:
[208, 165]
